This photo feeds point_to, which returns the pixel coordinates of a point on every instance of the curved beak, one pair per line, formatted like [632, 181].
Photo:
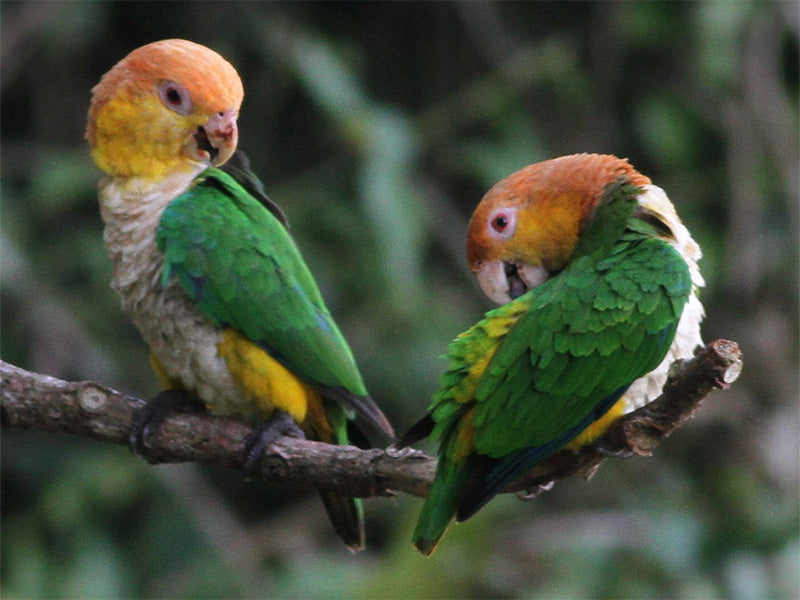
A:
[215, 141]
[503, 281]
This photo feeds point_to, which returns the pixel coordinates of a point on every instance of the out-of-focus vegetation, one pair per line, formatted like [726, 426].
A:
[378, 127]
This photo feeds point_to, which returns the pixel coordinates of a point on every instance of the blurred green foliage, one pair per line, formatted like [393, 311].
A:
[378, 127]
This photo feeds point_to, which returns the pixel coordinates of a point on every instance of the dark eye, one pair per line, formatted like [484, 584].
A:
[500, 222]
[503, 222]
[175, 97]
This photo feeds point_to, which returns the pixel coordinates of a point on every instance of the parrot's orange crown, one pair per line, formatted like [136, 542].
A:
[526, 226]
[168, 105]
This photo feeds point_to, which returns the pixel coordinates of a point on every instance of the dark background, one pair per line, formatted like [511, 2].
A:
[378, 127]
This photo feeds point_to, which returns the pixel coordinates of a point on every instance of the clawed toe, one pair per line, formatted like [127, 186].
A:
[152, 415]
[609, 452]
[279, 424]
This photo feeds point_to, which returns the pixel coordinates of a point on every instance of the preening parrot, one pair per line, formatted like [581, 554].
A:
[204, 264]
[598, 282]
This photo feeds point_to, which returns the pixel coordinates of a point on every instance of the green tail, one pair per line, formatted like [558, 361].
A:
[345, 513]
[440, 506]
[347, 516]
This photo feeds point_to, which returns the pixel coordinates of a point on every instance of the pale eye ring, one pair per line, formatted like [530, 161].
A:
[175, 97]
[503, 222]
[500, 222]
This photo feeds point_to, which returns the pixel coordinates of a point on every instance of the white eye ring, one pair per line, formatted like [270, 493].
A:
[175, 97]
[502, 222]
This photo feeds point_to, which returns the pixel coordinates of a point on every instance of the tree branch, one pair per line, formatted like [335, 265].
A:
[88, 409]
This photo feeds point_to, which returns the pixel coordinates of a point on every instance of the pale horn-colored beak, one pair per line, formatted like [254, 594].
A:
[215, 142]
[504, 281]
[492, 280]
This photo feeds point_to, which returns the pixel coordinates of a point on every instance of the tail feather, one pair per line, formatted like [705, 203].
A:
[347, 516]
[440, 506]
[420, 430]
[365, 407]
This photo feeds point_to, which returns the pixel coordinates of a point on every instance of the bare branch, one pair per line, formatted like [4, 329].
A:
[88, 409]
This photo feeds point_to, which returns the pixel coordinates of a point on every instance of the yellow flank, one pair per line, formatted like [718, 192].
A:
[497, 326]
[464, 444]
[125, 148]
[269, 385]
[491, 332]
[598, 428]
[167, 382]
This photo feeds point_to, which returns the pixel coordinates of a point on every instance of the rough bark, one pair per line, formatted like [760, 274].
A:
[89, 409]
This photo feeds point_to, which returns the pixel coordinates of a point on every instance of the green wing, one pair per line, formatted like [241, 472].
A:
[234, 257]
[581, 339]
[587, 336]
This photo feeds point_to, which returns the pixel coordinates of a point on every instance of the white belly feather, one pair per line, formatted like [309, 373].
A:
[687, 338]
[182, 339]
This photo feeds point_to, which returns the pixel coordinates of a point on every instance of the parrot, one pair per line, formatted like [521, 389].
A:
[207, 270]
[597, 281]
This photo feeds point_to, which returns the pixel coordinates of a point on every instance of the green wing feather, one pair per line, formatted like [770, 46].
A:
[581, 339]
[234, 257]
[569, 355]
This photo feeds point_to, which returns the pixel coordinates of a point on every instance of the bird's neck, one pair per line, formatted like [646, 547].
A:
[132, 207]
[131, 210]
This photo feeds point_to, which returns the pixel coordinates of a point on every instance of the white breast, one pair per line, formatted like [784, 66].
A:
[687, 337]
[183, 340]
